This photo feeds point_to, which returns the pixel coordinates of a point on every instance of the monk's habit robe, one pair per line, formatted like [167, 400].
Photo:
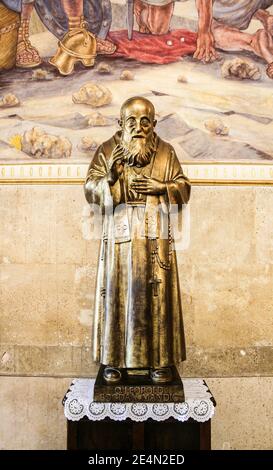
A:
[138, 315]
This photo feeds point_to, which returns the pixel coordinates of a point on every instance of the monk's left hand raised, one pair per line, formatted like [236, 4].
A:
[148, 185]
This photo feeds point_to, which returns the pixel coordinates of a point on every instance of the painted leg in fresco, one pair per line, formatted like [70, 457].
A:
[232, 39]
[213, 34]
[141, 14]
[26, 56]
[153, 19]
[74, 12]
[266, 19]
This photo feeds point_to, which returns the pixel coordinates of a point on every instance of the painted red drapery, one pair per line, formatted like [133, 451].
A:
[154, 49]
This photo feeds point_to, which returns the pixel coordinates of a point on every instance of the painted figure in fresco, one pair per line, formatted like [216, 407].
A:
[26, 54]
[61, 17]
[221, 25]
[138, 317]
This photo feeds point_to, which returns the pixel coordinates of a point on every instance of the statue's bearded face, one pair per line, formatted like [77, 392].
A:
[137, 132]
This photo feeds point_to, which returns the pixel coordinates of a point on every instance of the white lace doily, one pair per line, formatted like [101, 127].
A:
[197, 405]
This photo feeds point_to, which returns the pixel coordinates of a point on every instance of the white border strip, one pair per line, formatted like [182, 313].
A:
[199, 173]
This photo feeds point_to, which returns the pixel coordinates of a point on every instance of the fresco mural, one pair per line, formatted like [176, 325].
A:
[67, 65]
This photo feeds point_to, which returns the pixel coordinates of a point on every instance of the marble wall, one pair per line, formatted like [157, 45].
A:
[47, 271]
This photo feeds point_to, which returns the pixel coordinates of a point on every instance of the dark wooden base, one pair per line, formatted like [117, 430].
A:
[129, 435]
[137, 386]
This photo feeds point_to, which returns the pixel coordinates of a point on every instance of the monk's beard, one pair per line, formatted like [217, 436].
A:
[139, 151]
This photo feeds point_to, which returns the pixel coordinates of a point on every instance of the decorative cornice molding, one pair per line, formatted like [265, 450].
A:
[199, 173]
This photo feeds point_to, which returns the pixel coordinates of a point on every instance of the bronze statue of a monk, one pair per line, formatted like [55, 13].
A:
[138, 317]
